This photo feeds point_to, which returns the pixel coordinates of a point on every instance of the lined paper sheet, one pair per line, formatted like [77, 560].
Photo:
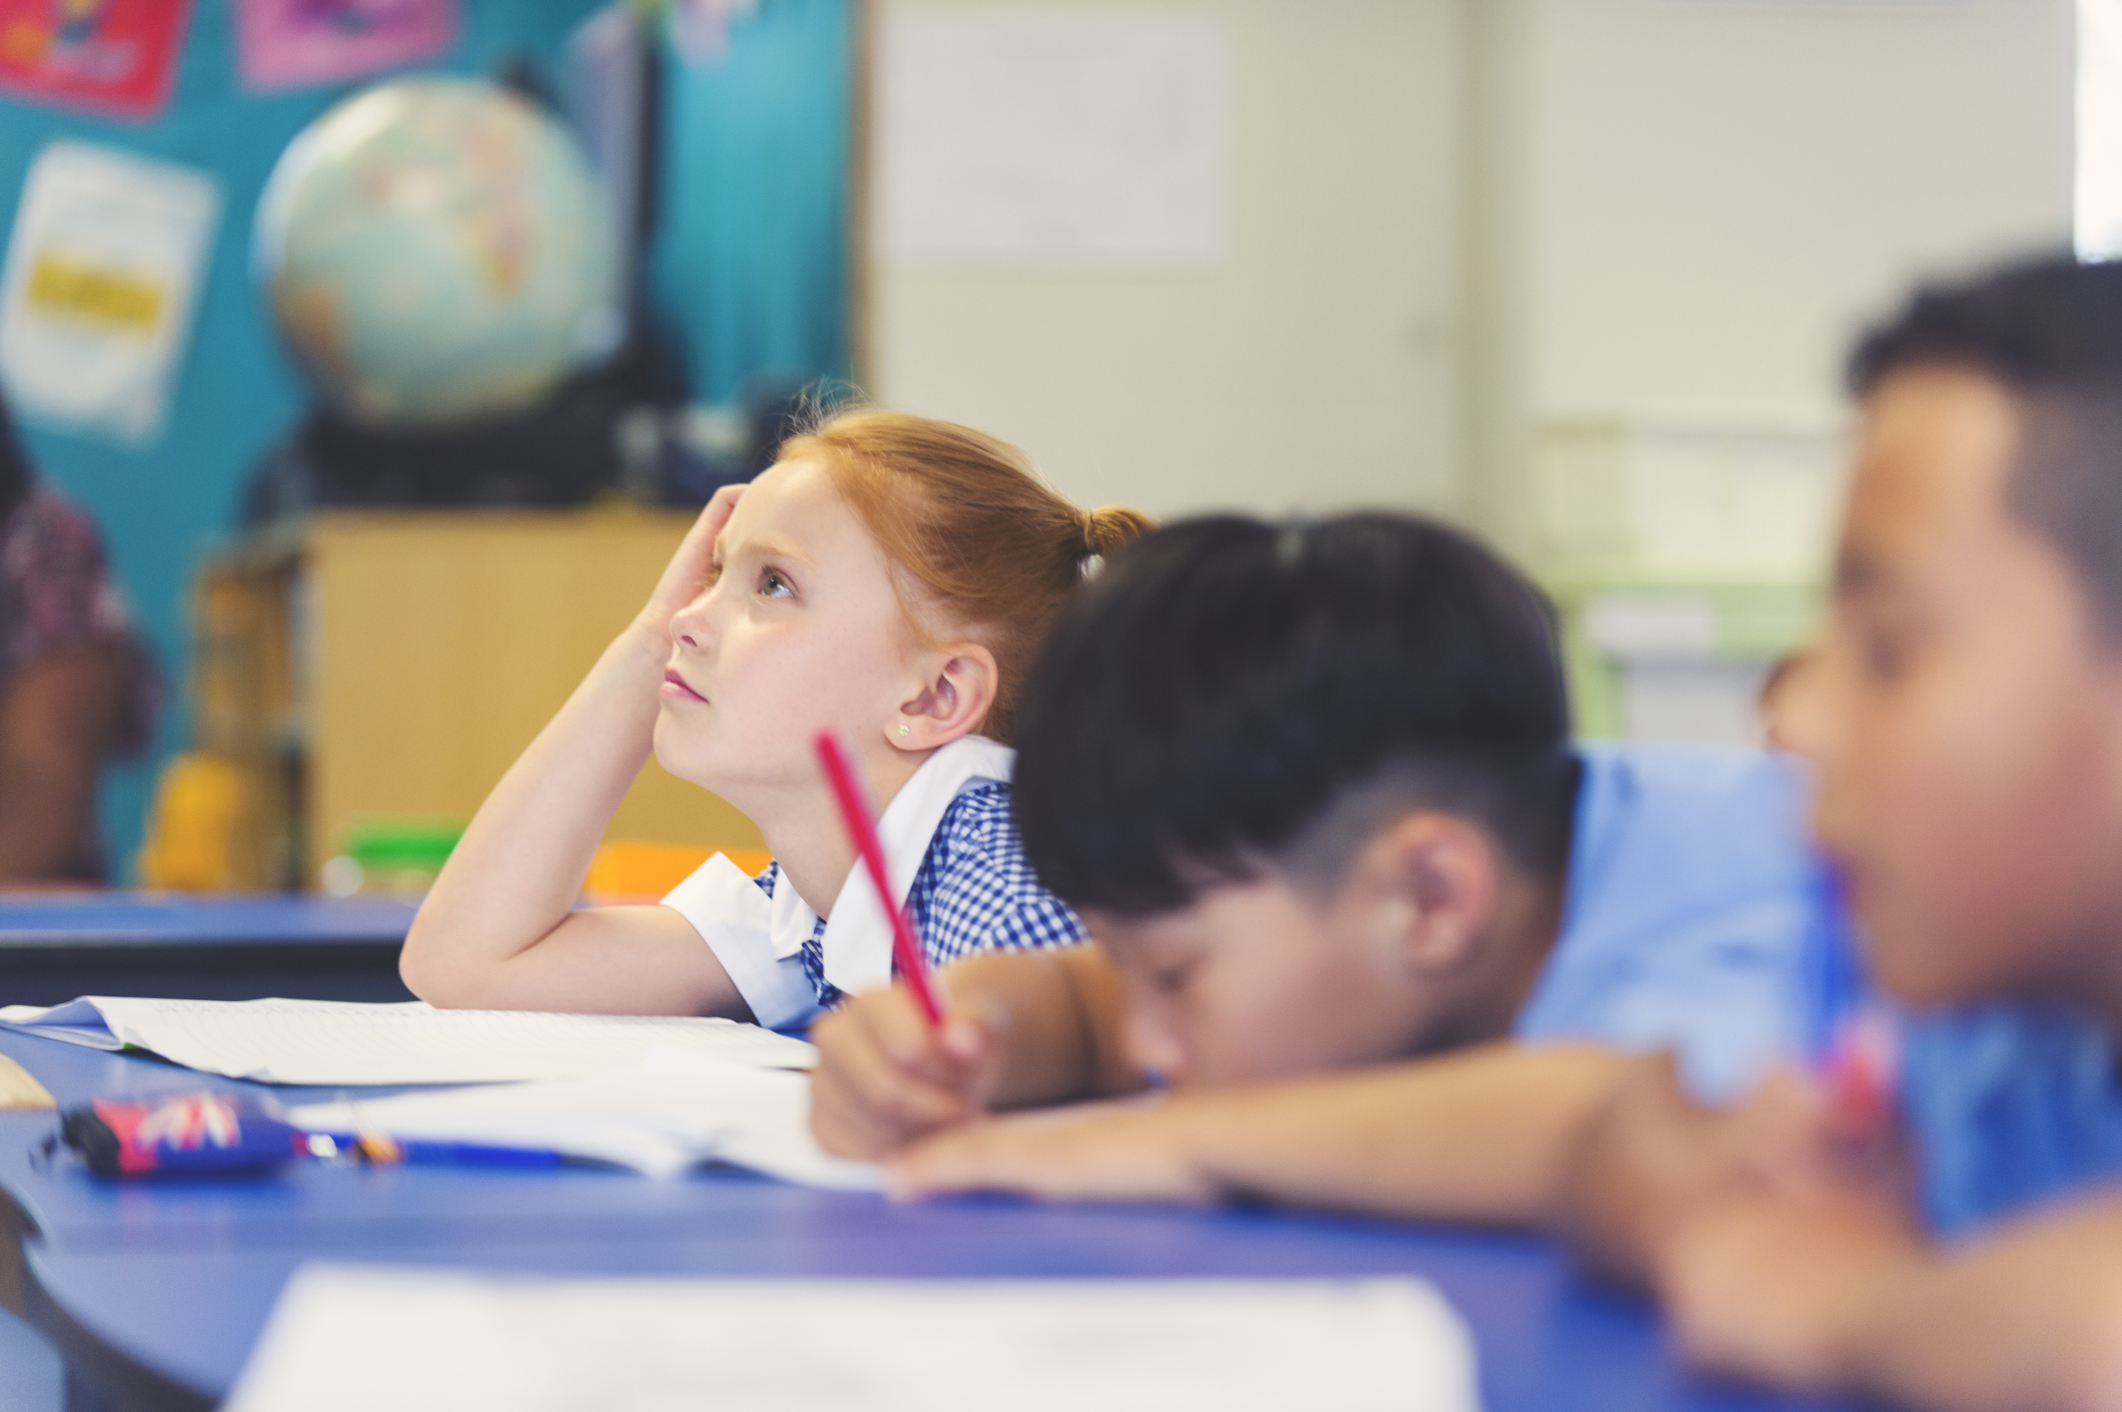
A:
[677, 1110]
[433, 1340]
[341, 1043]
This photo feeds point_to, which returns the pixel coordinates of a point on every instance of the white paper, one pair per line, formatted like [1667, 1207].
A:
[101, 281]
[338, 1043]
[679, 1109]
[76, 1022]
[1045, 140]
[463, 1342]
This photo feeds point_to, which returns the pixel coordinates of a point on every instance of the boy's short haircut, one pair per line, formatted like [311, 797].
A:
[2050, 332]
[1231, 694]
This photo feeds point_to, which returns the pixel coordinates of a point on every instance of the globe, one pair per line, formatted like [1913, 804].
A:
[436, 252]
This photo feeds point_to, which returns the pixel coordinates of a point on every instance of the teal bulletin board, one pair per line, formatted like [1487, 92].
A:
[778, 198]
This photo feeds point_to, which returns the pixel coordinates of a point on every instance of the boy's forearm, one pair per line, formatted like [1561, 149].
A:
[2030, 1319]
[1480, 1136]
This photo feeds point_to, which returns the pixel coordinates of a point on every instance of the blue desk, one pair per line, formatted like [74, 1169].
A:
[55, 947]
[156, 1292]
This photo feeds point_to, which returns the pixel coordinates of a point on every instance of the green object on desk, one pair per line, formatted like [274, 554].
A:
[398, 857]
[403, 843]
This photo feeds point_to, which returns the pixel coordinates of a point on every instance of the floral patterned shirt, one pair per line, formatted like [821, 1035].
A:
[55, 595]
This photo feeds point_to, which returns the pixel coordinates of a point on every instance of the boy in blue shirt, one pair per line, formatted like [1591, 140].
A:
[1965, 713]
[1312, 791]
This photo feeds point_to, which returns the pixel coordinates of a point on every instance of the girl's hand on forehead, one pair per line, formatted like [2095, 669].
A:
[692, 567]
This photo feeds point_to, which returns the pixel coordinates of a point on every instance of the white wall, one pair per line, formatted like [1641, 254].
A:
[1314, 367]
[1724, 188]
[1458, 219]
[1692, 205]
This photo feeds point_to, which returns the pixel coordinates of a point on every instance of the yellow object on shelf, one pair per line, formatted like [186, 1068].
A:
[199, 832]
[392, 664]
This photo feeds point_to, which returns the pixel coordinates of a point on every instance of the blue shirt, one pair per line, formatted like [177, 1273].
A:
[975, 892]
[2007, 1105]
[1692, 896]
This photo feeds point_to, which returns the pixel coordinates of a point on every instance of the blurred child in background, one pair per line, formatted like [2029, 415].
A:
[1965, 716]
[76, 685]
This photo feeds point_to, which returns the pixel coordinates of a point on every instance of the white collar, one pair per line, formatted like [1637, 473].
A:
[858, 936]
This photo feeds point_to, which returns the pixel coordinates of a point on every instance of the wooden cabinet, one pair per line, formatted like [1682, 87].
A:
[392, 664]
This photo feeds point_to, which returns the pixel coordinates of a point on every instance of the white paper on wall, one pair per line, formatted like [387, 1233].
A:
[101, 282]
[1054, 140]
[1831, 5]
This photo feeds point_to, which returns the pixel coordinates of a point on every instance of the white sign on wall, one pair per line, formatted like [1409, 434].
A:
[1838, 4]
[101, 282]
[1054, 140]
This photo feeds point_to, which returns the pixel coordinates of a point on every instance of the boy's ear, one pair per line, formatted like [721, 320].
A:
[953, 701]
[1434, 881]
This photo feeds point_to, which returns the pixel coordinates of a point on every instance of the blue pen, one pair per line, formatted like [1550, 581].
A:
[383, 1150]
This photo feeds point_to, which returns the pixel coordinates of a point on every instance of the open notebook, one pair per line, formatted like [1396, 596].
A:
[342, 1044]
[674, 1111]
[430, 1340]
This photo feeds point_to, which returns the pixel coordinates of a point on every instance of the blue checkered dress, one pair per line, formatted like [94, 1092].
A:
[975, 892]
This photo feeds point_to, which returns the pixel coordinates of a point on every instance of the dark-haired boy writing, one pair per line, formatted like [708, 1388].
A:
[1965, 713]
[1312, 791]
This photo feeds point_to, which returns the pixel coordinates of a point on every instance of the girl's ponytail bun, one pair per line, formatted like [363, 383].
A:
[1111, 527]
[992, 550]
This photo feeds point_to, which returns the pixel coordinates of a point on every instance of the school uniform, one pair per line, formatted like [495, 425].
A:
[1692, 899]
[2007, 1105]
[951, 847]
[1692, 896]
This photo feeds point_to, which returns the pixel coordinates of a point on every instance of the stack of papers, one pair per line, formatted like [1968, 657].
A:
[676, 1111]
[340, 1044]
[435, 1341]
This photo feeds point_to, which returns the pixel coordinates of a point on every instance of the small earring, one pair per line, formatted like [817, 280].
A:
[904, 731]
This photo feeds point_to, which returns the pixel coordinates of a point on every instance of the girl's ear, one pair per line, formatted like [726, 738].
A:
[953, 702]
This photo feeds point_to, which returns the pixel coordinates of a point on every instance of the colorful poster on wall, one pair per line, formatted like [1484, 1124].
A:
[289, 43]
[117, 57]
[101, 281]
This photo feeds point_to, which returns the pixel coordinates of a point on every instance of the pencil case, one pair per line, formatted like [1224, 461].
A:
[195, 1132]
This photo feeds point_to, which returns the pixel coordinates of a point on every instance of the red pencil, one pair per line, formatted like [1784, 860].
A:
[906, 947]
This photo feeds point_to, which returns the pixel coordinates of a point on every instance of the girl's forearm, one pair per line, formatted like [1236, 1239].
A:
[516, 873]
